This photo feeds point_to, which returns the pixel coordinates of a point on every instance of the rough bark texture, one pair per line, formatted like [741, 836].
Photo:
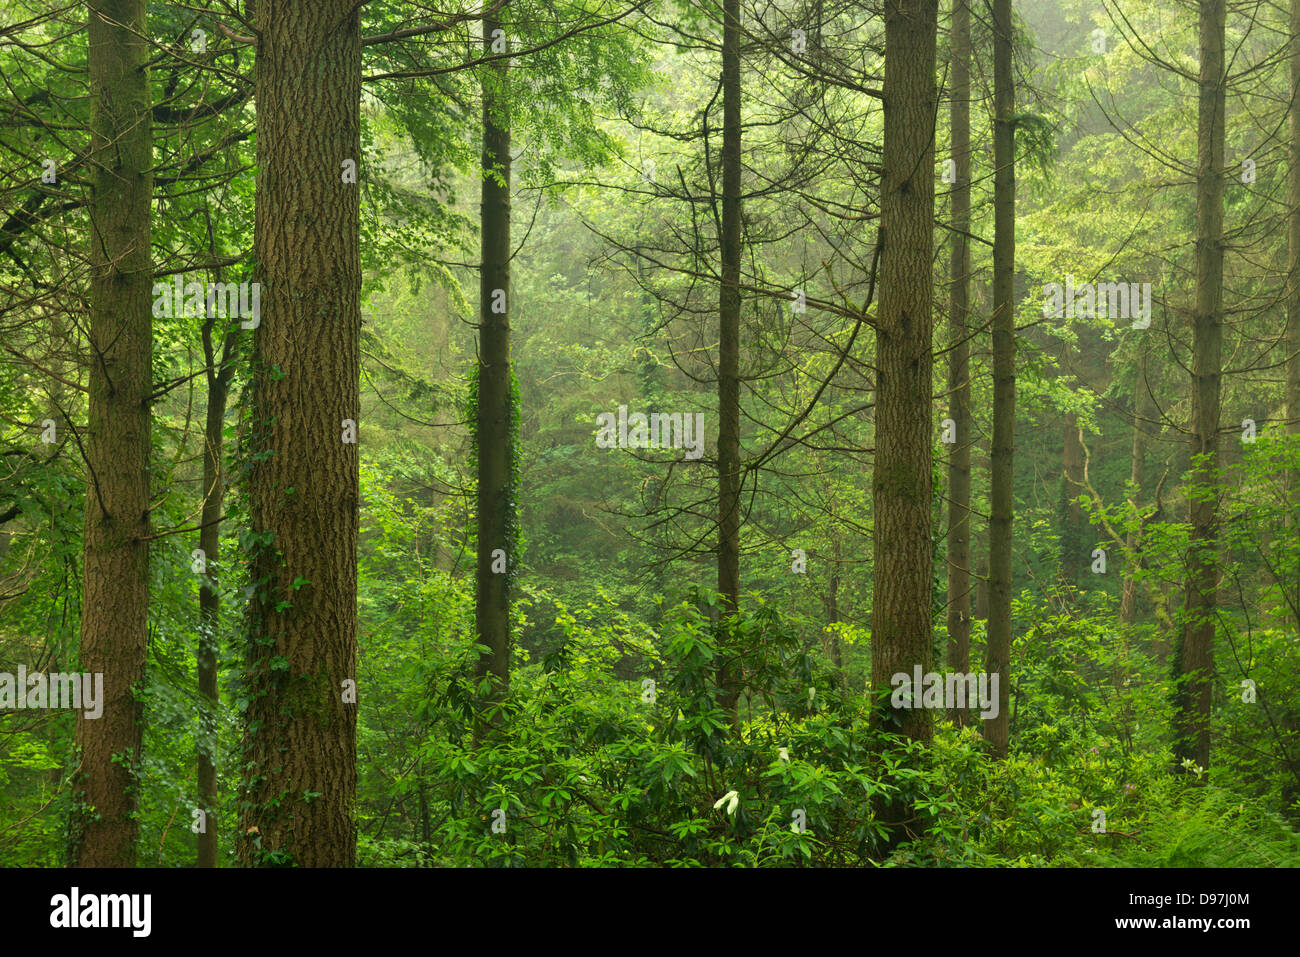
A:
[495, 504]
[902, 483]
[115, 597]
[998, 661]
[959, 553]
[1195, 657]
[300, 750]
[729, 349]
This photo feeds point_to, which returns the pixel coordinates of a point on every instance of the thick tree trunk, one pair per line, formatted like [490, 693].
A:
[959, 552]
[1195, 657]
[729, 353]
[902, 483]
[998, 661]
[115, 598]
[300, 750]
[495, 406]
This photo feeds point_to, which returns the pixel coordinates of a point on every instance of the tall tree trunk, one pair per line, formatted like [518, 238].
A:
[998, 661]
[902, 483]
[1293, 272]
[115, 601]
[1195, 657]
[729, 354]
[300, 771]
[1074, 544]
[219, 375]
[495, 405]
[1143, 407]
[959, 552]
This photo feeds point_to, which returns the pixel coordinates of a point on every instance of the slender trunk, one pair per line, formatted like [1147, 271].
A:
[998, 661]
[115, 602]
[1195, 654]
[300, 772]
[729, 354]
[1073, 541]
[496, 505]
[959, 553]
[210, 606]
[1144, 410]
[1293, 274]
[902, 480]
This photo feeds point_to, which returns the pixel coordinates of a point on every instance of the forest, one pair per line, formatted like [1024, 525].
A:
[650, 434]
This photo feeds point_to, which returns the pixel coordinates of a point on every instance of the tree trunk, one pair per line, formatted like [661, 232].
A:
[300, 749]
[1144, 410]
[496, 505]
[1293, 276]
[1195, 654]
[115, 601]
[1073, 541]
[729, 355]
[997, 730]
[902, 483]
[210, 608]
[959, 553]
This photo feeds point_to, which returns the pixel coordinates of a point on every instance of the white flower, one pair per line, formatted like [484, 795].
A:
[733, 797]
[784, 754]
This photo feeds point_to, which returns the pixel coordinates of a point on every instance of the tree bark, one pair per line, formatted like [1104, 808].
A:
[300, 746]
[729, 356]
[495, 412]
[998, 661]
[115, 602]
[902, 481]
[1195, 654]
[220, 372]
[959, 552]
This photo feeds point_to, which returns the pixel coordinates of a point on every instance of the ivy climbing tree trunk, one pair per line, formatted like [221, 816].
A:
[902, 484]
[729, 353]
[998, 658]
[495, 406]
[220, 370]
[1195, 653]
[115, 582]
[300, 776]
[959, 554]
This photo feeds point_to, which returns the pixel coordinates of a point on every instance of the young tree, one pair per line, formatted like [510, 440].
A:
[115, 583]
[959, 553]
[1195, 651]
[998, 659]
[729, 344]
